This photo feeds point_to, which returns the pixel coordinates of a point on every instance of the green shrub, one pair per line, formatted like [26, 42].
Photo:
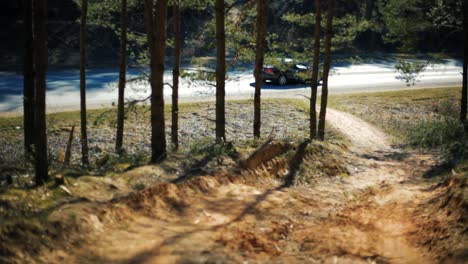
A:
[409, 71]
[138, 186]
[209, 147]
[436, 133]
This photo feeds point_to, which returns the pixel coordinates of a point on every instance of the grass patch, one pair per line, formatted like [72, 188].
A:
[286, 119]
[420, 118]
[435, 133]
[395, 111]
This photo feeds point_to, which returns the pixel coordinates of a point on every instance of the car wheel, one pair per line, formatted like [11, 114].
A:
[282, 80]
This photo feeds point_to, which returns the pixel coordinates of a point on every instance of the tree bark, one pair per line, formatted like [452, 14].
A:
[315, 70]
[28, 74]
[68, 151]
[370, 6]
[83, 43]
[262, 21]
[369, 9]
[149, 26]
[220, 72]
[41, 55]
[122, 77]
[175, 77]
[464, 97]
[158, 135]
[326, 70]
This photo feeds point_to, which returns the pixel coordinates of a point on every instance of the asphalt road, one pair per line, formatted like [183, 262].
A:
[63, 85]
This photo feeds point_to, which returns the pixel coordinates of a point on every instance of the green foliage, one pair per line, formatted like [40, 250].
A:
[208, 148]
[407, 23]
[346, 30]
[431, 133]
[299, 43]
[447, 14]
[409, 71]
[404, 20]
[443, 130]
[120, 162]
[241, 32]
[138, 186]
[301, 20]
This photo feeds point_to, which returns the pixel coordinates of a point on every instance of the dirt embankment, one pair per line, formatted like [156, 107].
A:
[367, 207]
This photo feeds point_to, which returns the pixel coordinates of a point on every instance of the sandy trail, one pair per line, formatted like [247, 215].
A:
[363, 218]
[363, 136]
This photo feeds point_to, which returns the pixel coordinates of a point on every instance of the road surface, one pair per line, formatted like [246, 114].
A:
[63, 85]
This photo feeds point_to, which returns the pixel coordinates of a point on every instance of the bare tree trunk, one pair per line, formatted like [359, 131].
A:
[149, 26]
[262, 21]
[315, 70]
[175, 77]
[41, 54]
[28, 73]
[326, 70]
[158, 135]
[220, 71]
[464, 97]
[83, 43]
[68, 151]
[370, 6]
[369, 9]
[122, 78]
[150, 39]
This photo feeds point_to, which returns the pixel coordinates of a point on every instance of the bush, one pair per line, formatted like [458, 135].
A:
[409, 71]
[436, 133]
[446, 133]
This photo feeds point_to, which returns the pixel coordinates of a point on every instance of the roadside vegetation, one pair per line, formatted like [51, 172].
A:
[283, 119]
[423, 119]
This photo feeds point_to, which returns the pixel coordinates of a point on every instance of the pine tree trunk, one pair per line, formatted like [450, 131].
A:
[220, 72]
[28, 73]
[158, 135]
[326, 70]
[150, 39]
[68, 151]
[40, 50]
[175, 77]
[149, 28]
[122, 78]
[370, 6]
[83, 43]
[262, 21]
[315, 70]
[464, 98]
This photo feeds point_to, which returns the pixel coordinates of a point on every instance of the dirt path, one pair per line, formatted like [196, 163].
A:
[363, 136]
[254, 218]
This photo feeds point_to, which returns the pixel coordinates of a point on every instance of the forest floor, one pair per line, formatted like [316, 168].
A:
[371, 215]
[365, 201]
